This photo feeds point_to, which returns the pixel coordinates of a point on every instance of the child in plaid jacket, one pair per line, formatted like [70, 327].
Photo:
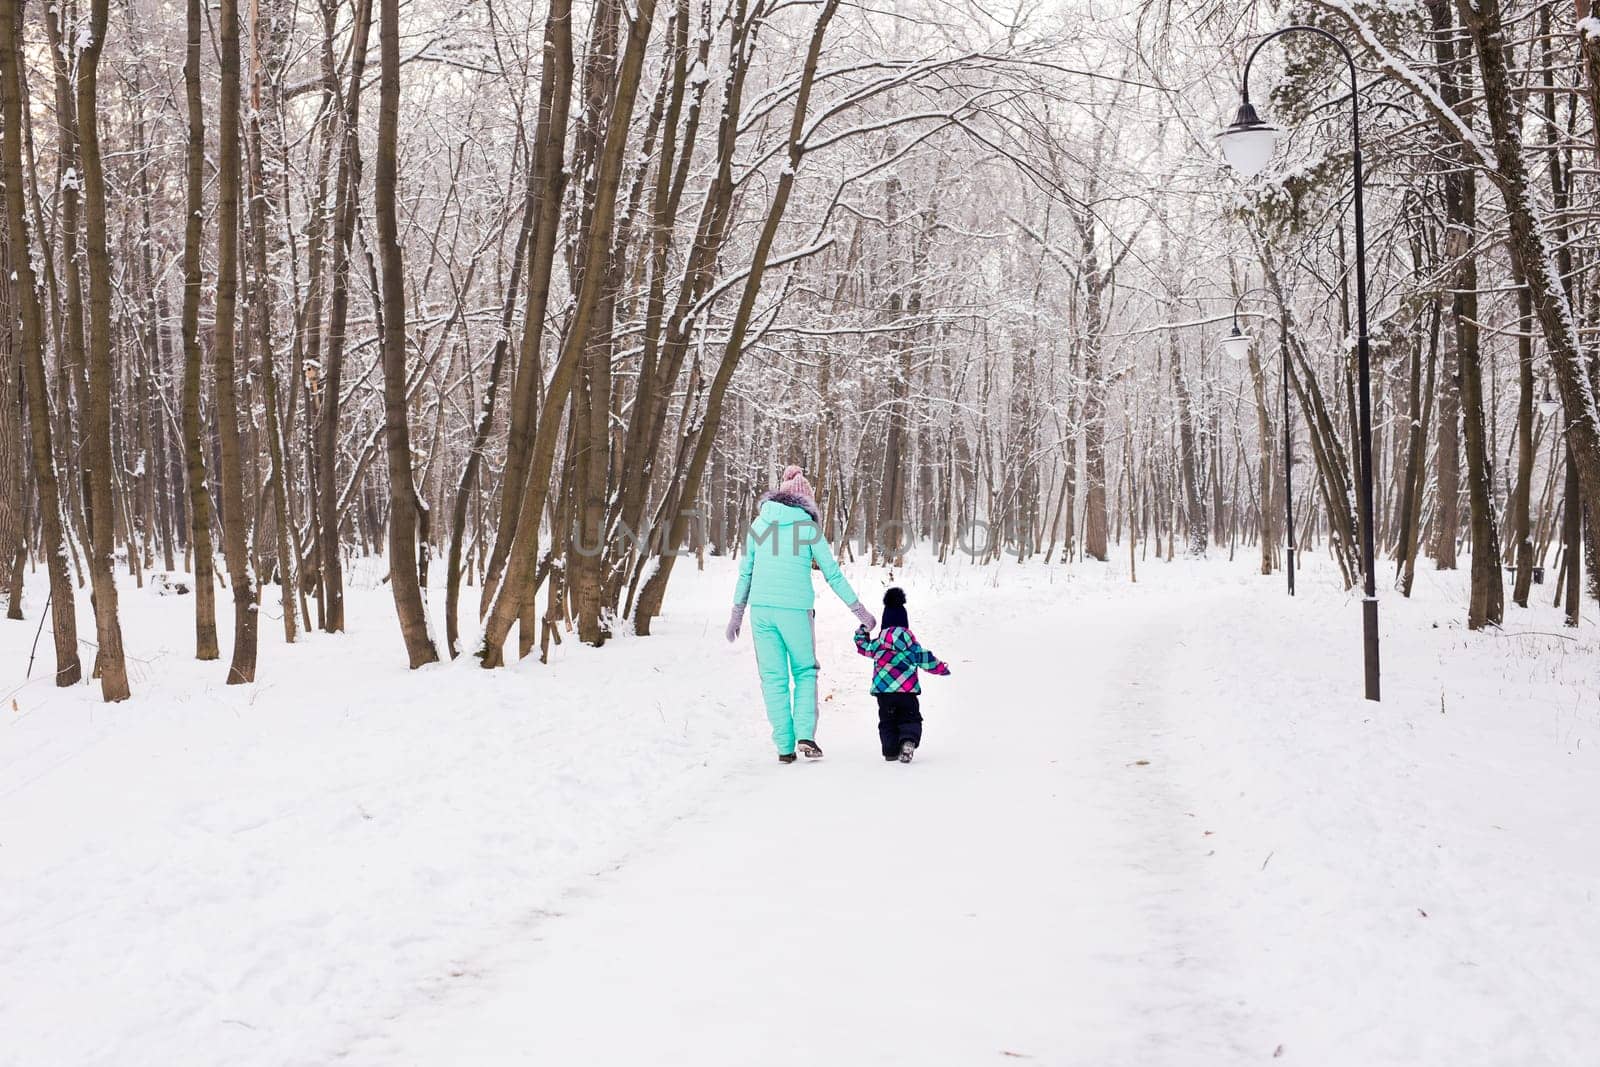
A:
[896, 659]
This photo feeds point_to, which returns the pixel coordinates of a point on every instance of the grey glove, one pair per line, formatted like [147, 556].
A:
[864, 616]
[735, 620]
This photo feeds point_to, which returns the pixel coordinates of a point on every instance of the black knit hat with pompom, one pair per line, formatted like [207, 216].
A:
[894, 608]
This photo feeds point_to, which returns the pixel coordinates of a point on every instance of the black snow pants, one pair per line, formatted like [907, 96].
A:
[899, 720]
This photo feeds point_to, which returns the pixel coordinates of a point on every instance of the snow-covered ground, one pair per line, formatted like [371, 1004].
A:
[1151, 823]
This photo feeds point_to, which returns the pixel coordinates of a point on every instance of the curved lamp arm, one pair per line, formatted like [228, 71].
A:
[1238, 303]
[1350, 61]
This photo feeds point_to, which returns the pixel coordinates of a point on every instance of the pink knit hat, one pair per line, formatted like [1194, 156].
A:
[794, 482]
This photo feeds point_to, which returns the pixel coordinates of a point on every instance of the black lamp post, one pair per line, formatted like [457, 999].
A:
[1247, 144]
[1237, 345]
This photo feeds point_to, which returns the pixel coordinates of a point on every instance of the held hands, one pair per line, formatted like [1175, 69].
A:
[863, 616]
[735, 620]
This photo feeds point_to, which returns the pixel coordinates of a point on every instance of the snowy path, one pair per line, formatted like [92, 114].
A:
[1152, 823]
[1004, 896]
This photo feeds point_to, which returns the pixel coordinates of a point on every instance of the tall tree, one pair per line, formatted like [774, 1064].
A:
[13, 473]
[109, 660]
[347, 186]
[194, 450]
[30, 350]
[72, 346]
[1487, 599]
[404, 504]
[235, 519]
[286, 536]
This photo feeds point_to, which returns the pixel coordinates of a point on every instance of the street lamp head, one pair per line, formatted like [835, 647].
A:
[1547, 403]
[1236, 344]
[1248, 143]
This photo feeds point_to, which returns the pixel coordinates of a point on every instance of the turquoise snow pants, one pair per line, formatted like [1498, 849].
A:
[785, 649]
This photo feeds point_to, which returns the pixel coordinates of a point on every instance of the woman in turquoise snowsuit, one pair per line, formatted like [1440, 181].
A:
[775, 581]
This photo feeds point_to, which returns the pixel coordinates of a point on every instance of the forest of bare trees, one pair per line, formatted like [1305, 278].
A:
[532, 300]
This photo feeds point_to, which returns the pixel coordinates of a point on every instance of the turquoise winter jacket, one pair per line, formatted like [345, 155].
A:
[782, 544]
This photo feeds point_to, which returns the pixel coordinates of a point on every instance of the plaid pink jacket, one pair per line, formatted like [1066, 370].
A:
[896, 658]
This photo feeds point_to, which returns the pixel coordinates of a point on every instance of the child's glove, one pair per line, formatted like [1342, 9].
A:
[734, 622]
[868, 623]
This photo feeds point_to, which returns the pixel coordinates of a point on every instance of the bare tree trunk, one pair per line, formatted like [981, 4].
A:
[346, 197]
[235, 518]
[1521, 532]
[1420, 410]
[194, 447]
[151, 375]
[826, 419]
[109, 662]
[1486, 605]
[480, 436]
[1188, 460]
[1095, 521]
[1486, 602]
[1447, 519]
[1266, 444]
[590, 414]
[1419, 471]
[71, 344]
[309, 339]
[13, 475]
[262, 293]
[404, 506]
[1572, 543]
[892, 478]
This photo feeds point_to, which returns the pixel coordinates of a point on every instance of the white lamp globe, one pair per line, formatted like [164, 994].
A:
[1248, 144]
[1547, 407]
[1236, 344]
